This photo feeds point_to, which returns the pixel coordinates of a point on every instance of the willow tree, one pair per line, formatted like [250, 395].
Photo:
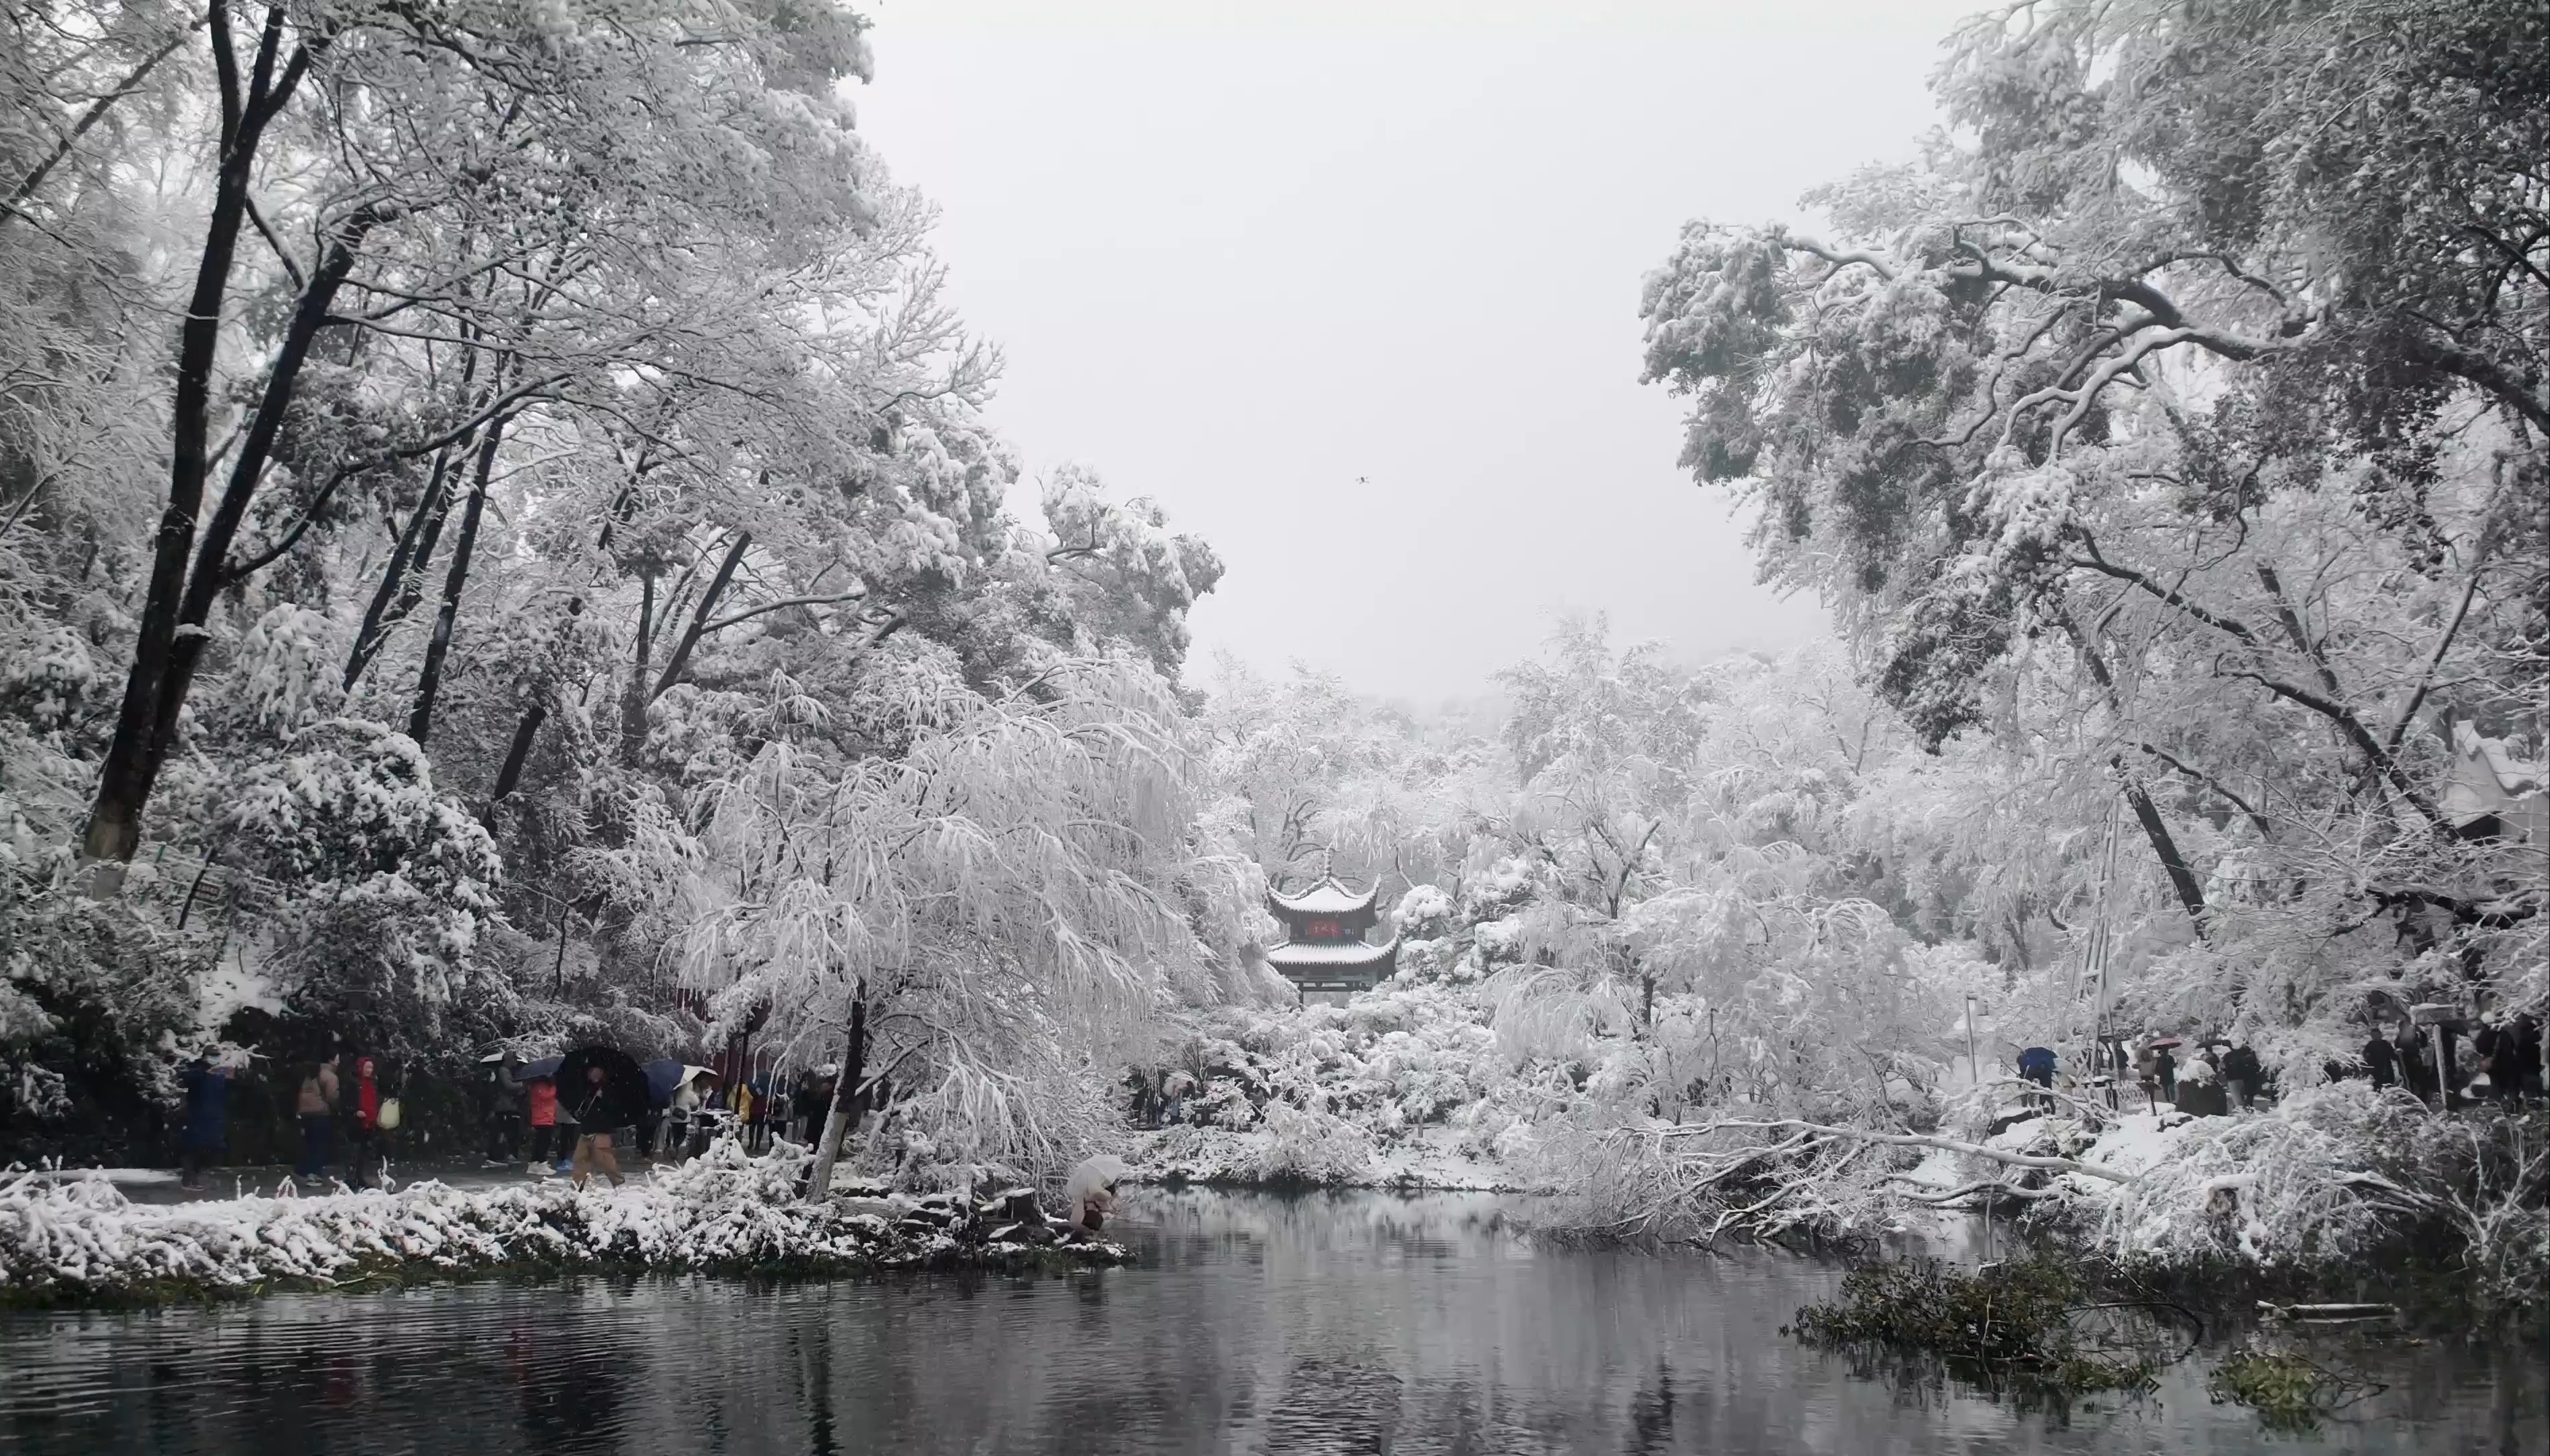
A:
[1003, 906]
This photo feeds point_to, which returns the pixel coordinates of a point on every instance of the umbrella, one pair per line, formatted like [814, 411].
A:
[663, 1076]
[624, 1080]
[1092, 1175]
[2167, 1041]
[546, 1066]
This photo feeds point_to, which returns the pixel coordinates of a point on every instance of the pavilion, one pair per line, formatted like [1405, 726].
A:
[1323, 946]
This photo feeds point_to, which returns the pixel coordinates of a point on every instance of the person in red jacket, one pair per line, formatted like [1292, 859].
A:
[540, 1097]
[365, 1106]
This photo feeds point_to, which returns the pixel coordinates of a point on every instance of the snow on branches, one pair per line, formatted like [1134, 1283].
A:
[1016, 894]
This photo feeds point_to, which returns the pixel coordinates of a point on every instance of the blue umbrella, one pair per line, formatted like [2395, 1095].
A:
[534, 1071]
[663, 1075]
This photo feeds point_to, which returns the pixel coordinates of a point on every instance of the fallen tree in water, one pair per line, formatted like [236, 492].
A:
[81, 1243]
[2336, 1178]
[2033, 1327]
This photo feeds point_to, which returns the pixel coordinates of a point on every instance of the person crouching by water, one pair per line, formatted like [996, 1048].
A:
[1091, 1195]
[597, 1112]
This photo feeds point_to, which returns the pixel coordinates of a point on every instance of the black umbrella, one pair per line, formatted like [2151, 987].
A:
[624, 1085]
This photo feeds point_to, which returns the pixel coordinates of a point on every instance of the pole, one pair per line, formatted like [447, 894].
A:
[2099, 935]
[2443, 1085]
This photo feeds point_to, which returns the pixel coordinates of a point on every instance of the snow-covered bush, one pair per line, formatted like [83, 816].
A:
[386, 882]
[1312, 1146]
[49, 676]
[1223, 1103]
[38, 1092]
[1425, 911]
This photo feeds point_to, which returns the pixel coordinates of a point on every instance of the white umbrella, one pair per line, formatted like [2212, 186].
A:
[1093, 1173]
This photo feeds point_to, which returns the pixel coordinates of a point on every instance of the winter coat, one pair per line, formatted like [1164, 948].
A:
[2382, 1061]
[208, 1108]
[2240, 1064]
[317, 1095]
[598, 1109]
[541, 1094]
[367, 1102]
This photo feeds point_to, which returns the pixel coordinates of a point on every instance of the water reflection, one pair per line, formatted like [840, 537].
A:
[1350, 1323]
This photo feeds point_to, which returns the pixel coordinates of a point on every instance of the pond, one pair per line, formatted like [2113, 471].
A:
[1361, 1322]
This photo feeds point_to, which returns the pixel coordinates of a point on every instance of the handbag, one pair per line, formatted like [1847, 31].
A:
[387, 1119]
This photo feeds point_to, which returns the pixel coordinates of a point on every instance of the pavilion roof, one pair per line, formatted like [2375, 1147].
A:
[1329, 897]
[1351, 955]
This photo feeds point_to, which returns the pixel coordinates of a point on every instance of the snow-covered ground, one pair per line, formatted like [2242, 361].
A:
[78, 1240]
[119, 1176]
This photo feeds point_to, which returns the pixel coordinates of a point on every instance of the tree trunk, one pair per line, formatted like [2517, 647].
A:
[845, 1097]
[525, 733]
[132, 764]
[511, 775]
[680, 658]
[2183, 879]
[633, 701]
[404, 581]
[2190, 893]
[213, 574]
[437, 649]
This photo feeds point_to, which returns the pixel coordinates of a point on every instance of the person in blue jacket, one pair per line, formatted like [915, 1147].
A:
[208, 1119]
[2037, 1064]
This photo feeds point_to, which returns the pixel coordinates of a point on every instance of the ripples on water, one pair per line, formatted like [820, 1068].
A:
[1349, 1323]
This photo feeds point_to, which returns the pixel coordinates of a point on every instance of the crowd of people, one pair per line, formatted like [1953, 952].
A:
[1160, 1096]
[347, 1111]
[2448, 1063]
[2502, 1061]
[525, 1112]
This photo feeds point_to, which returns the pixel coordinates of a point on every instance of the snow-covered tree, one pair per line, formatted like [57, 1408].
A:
[2098, 432]
[1016, 896]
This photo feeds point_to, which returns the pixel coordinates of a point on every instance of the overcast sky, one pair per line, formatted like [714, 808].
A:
[1352, 289]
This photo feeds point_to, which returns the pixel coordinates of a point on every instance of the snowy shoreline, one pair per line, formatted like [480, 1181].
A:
[1425, 1160]
[2300, 1199]
[66, 1243]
